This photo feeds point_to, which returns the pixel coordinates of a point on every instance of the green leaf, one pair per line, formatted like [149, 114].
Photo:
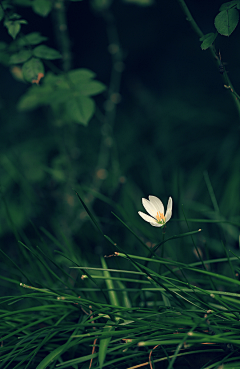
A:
[42, 7]
[32, 68]
[45, 52]
[33, 38]
[78, 75]
[228, 5]
[89, 88]
[208, 40]
[58, 97]
[35, 96]
[80, 109]
[226, 21]
[13, 27]
[20, 57]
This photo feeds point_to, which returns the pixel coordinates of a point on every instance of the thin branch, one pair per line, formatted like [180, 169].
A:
[61, 33]
[227, 82]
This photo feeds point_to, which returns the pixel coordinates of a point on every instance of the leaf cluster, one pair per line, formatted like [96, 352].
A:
[225, 23]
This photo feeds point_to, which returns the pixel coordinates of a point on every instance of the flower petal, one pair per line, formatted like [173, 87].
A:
[149, 207]
[169, 209]
[157, 203]
[157, 224]
[147, 218]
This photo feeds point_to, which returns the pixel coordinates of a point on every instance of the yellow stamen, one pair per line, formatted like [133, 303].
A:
[160, 217]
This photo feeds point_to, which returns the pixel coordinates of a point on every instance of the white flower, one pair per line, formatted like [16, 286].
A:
[155, 208]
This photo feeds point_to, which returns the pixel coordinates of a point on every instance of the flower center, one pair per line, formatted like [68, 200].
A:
[160, 218]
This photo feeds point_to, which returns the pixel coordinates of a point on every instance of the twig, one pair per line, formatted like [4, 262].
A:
[61, 32]
[212, 49]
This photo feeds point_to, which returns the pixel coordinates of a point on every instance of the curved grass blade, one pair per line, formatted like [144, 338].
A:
[90, 214]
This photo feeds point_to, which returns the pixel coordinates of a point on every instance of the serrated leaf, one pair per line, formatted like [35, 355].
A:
[33, 38]
[228, 5]
[20, 57]
[80, 109]
[45, 52]
[226, 21]
[32, 68]
[90, 87]
[42, 7]
[208, 41]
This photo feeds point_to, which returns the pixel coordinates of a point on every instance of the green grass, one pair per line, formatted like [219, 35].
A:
[131, 307]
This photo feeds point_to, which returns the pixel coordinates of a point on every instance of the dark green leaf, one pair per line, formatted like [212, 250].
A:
[89, 88]
[208, 41]
[45, 52]
[42, 7]
[31, 69]
[20, 57]
[58, 97]
[13, 27]
[204, 37]
[226, 21]
[28, 102]
[80, 109]
[78, 75]
[36, 96]
[33, 38]
[229, 5]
